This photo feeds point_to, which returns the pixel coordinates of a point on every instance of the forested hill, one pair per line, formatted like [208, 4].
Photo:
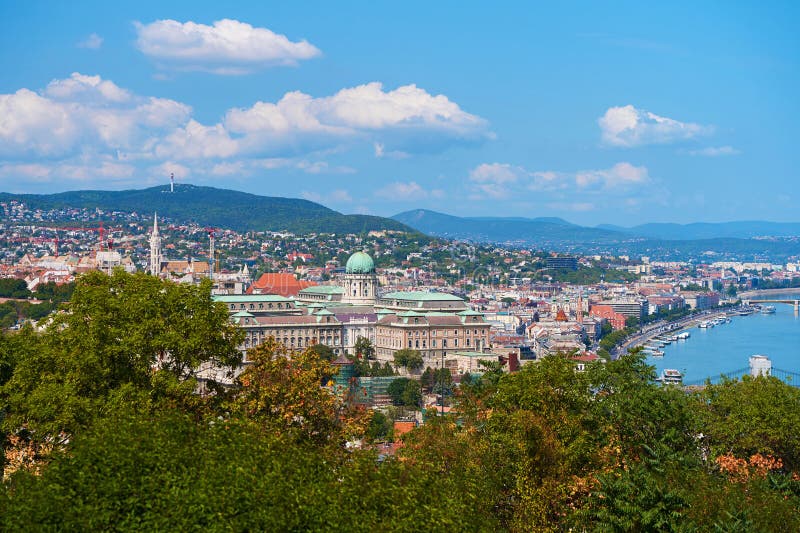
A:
[548, 231]
[209, 206]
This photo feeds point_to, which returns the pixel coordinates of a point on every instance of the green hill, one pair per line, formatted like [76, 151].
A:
[209, 206]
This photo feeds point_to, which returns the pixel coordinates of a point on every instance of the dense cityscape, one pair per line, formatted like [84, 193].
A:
[524, 267]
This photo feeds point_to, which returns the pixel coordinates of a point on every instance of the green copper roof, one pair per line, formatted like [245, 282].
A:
[422, 296]
[360, 263]
[322, 289]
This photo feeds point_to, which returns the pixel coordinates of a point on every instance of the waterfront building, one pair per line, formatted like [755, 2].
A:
[628, 308]
[701, 300]
[667, 302]
[617, 320]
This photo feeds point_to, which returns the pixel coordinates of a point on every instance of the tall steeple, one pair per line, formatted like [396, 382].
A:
[155, 248]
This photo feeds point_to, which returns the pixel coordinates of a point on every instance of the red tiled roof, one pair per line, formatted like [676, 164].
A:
[279, 283]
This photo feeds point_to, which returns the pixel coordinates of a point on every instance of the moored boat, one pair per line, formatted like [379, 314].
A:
[670, 376]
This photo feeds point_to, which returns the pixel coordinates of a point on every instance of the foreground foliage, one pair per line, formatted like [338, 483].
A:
[104, 431]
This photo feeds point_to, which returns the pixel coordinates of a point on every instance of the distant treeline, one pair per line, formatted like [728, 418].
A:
[50, 294]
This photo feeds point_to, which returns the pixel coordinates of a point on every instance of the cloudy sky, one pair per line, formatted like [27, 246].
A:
[623, 113]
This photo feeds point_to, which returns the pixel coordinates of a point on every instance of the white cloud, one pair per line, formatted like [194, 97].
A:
[402, 191]
[170, 167]
[33, 125]
[496, 173]
[494, 180]
[628, 126]
[91, 89]
[82, 114]
[228, 168]
[382, 153]
[406, 119]
[92, 42]
[504, 181]
[196, 141]
[715, 151]
[75, 169]
[87, 121]
[226, 47]
[620, 175]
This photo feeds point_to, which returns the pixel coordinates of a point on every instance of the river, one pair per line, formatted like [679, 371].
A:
[728, 347]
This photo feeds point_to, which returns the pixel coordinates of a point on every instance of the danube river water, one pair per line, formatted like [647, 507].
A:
[728, 347]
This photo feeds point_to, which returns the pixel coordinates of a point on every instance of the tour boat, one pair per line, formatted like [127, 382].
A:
[670, 376]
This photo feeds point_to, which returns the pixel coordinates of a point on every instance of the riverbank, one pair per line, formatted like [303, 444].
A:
[767, 292]
[671, 327]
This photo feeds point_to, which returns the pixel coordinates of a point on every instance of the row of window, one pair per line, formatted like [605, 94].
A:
[416, 343]
[292, 342]
[252, 306]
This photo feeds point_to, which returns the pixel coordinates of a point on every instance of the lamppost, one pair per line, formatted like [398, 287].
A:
[441, 387]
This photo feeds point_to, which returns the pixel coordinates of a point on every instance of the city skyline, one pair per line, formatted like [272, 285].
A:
[623, 114]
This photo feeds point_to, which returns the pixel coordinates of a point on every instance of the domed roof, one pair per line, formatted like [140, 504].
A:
[360, 263]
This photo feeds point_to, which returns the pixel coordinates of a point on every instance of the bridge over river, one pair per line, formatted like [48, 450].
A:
[796, 303]
[787, 376]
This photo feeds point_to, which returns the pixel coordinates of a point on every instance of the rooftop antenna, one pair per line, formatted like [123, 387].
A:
[171, 182]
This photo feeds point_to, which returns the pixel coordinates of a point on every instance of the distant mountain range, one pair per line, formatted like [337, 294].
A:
[214, 207]
[545, 231]
[746, 229]
[731, 239]
[500, 229]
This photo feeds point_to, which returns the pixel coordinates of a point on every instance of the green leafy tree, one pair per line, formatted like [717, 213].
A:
[408, 359]
[120, 334]
[405, 391]
[754, 415]
[14, 288]
[324, 351]
[364, 348]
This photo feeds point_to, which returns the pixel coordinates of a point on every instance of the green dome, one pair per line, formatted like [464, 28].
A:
[360, 263]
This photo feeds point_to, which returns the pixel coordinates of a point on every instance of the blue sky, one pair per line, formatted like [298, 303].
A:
[619, 113]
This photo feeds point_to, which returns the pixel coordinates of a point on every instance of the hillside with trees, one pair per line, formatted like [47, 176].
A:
[102, 429]
[209, 206]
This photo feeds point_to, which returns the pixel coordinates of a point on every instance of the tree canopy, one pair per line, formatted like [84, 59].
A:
[103, 429]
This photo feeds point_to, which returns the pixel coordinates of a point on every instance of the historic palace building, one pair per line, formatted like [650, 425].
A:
[436, 324]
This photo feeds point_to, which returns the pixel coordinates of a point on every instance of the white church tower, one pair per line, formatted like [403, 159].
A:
[155, 248]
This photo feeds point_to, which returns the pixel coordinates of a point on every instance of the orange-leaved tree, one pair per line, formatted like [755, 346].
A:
[285, 391]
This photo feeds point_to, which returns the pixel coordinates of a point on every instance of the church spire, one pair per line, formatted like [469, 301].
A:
[155, 248]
